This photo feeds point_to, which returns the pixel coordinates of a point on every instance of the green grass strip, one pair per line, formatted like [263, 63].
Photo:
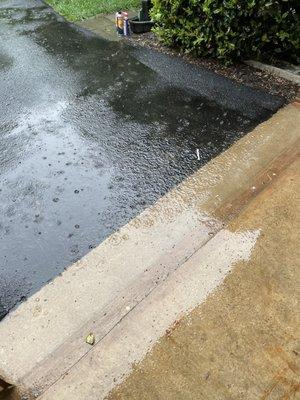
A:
[76, 10]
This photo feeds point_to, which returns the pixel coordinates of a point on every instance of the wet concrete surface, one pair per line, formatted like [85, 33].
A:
[91, 133]
[243, 342]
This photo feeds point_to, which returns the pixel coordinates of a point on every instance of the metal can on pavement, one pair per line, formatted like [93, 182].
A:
[120, 23]
[126, 27]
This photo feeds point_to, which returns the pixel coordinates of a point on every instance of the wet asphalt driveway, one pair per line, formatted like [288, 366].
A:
[91, 133]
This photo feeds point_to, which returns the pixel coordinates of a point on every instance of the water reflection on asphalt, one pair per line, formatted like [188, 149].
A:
[90, 135]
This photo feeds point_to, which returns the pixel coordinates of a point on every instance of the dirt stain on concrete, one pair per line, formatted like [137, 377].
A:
[243, 342]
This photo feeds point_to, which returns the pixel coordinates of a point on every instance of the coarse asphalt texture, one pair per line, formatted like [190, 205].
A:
[92, 132]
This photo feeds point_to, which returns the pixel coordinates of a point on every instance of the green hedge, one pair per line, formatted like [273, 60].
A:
[230, 29]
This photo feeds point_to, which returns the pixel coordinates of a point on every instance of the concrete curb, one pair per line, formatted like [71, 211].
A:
[282, 73]
[43, 341]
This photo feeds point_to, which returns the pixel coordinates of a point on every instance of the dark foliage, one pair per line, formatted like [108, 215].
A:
[231, 29]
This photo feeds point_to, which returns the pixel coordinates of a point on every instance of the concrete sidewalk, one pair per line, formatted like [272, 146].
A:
[234, 219]
[244, 341]
[103, 25]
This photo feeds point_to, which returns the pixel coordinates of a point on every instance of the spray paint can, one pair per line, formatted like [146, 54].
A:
[126, 28]
[120, 23]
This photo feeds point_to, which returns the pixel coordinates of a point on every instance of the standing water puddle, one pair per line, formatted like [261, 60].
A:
[91, 133]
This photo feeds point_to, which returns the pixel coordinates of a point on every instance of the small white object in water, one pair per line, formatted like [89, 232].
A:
[198, 154]
[128, 308]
